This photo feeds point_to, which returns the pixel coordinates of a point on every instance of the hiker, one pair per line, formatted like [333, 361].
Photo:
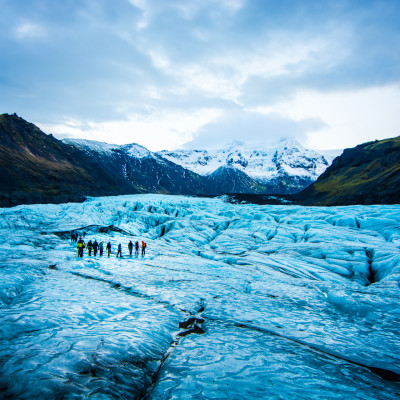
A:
[80, 246]
[108, 247]
[101, 248]
[119, 252]
[89, 247]
[130, 247]
[75, 237]
[72, 236]
[84, 233]
[95, 247]
[136, 248]
[144, 245]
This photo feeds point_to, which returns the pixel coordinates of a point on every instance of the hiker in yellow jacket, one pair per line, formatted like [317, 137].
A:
[80, 246]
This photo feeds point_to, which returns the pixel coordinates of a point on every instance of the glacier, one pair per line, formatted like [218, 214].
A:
[231, 301]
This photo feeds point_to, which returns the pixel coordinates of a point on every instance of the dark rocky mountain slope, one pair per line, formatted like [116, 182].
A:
[144, 172]
[366, 174]
[38, 168]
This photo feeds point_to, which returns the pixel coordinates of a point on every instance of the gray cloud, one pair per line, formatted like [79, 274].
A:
[251, 128]
[107, 61]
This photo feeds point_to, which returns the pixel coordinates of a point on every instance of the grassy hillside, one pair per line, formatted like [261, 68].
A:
[35, 167]
[366, 174]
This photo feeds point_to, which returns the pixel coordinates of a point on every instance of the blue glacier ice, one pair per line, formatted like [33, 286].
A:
[231, 301]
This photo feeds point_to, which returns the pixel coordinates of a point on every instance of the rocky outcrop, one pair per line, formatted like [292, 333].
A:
[366, 174]
[38, 168]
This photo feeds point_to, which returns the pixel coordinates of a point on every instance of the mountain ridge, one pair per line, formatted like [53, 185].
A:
[261, 163]
[37, 168]
[285, 169]
[366, 174]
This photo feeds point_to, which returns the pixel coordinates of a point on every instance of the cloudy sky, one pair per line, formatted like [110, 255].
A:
[199, 73]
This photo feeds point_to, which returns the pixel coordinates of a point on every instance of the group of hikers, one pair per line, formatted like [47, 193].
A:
[99, 247]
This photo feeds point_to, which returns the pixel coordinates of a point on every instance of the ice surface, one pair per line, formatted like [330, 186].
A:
[230, 301]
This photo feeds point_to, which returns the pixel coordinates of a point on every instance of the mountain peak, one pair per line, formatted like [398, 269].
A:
[234, 143]
[289, 142]
[136, 150]
[90, 145]
[287, 158]
[133, 149]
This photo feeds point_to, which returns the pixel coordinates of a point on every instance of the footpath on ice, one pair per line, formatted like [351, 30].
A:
[231, 301]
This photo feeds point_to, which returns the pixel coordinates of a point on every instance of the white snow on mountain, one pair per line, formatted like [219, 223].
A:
[231, 301]
[257, 161]
[260, 162]
[133, 150]
[91, 145]
[136, 151]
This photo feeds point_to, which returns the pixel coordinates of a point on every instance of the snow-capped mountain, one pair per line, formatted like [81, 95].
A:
[37, 167]
[141, 169]
[286, 158]
[91, 145]
[286, 167]
[133, 150]
[263, 164]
